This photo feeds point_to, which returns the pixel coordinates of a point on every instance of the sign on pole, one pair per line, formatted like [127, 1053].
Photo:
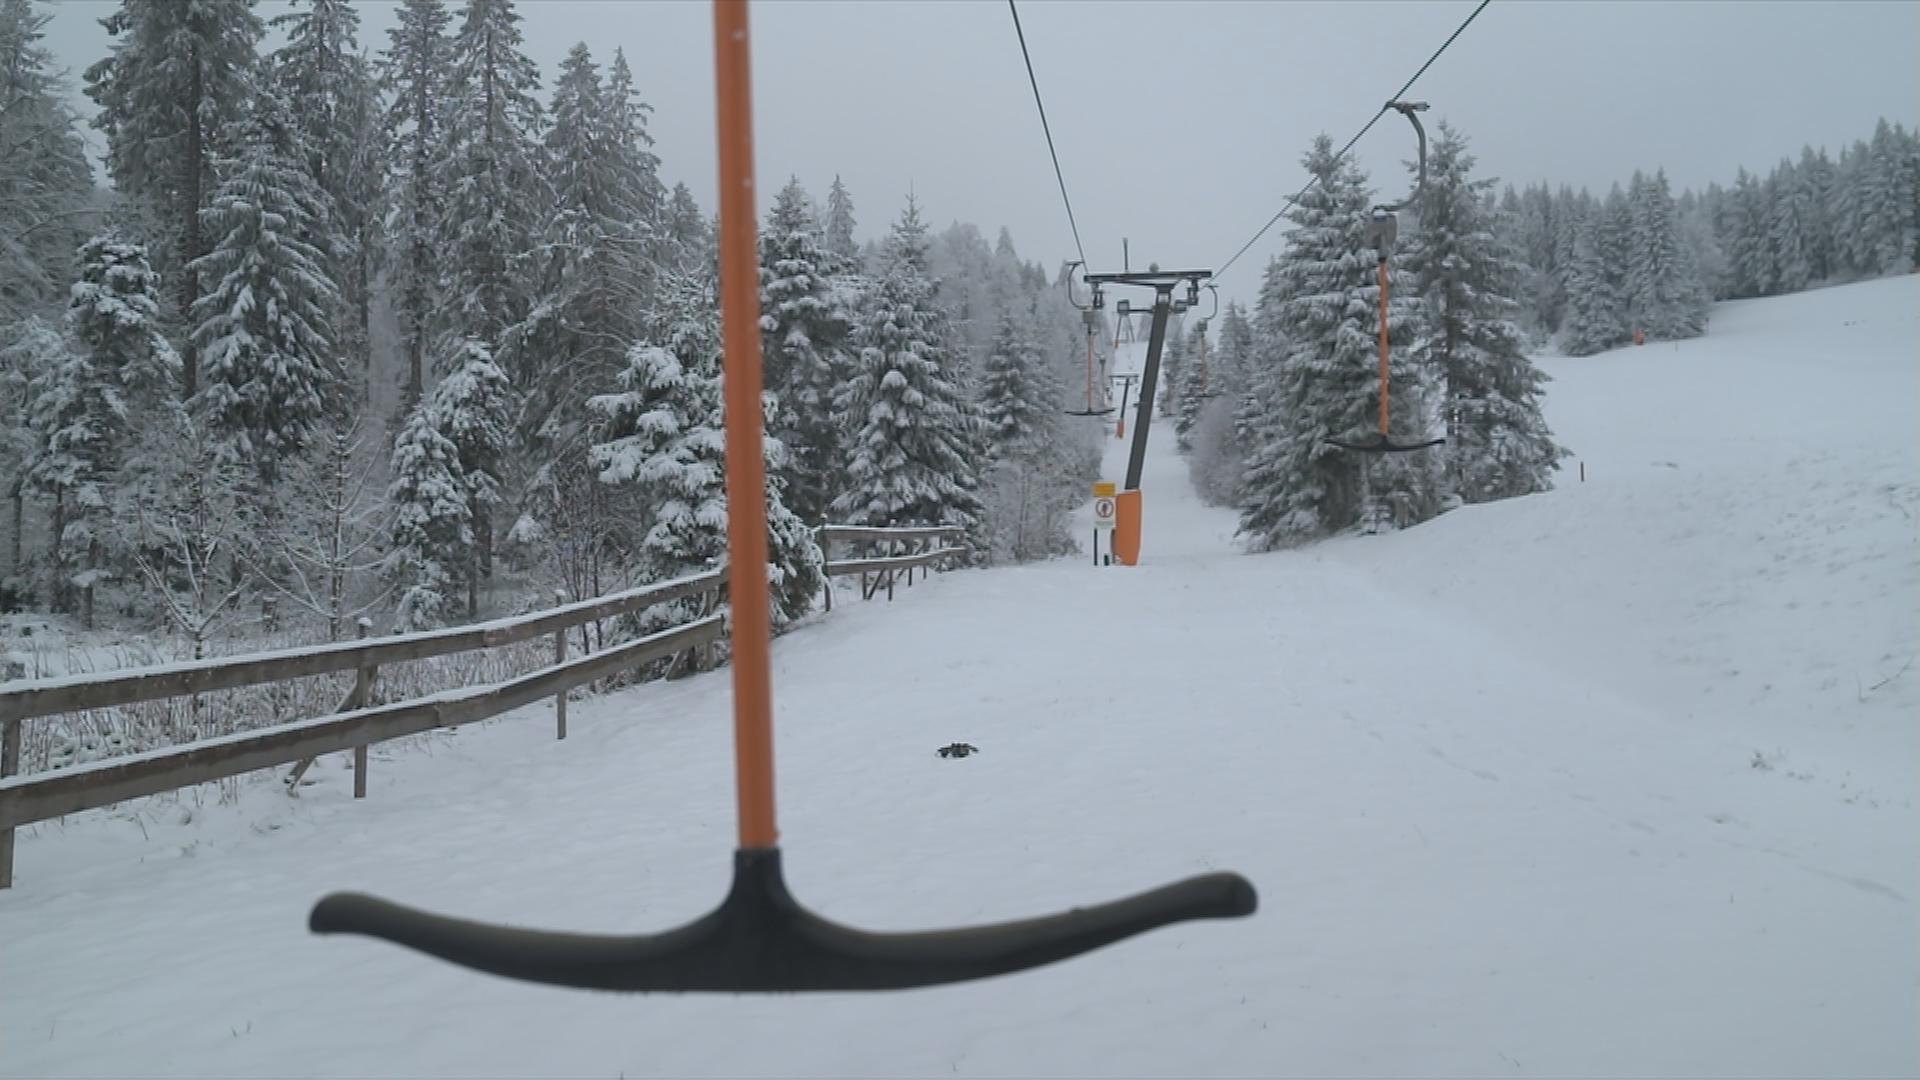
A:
[1103, 512]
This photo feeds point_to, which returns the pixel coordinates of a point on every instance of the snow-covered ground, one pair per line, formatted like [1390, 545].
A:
[1618, 780]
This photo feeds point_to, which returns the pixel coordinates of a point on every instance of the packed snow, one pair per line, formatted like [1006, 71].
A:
[1614, 780]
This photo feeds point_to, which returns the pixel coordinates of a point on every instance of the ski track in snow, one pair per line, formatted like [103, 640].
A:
[1585, 783]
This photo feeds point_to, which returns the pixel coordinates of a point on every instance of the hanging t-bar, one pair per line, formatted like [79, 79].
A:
[1383, 229]
[761, 940]
[1412, 110]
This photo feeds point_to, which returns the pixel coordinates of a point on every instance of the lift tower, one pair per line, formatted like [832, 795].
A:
[1165, 305]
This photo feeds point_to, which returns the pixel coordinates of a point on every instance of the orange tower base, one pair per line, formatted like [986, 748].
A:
[1126, 527]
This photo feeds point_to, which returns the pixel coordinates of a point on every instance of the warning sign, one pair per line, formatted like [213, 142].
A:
[1103, 512]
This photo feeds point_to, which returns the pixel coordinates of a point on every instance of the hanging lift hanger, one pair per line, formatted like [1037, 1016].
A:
[1092, 321]
[1383, 229]
[1206, 387]
[760, 939]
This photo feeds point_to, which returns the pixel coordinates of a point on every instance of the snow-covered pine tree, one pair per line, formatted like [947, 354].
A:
[1219, 455]
[1032, 477]
[637, 240]
[691, 240]
[1815, 194]
[796, 567]
[912, 460]
[1173, 365]
[637, 188]
[1746, 238]
[1540, 234]
[1702, 239]
[171, 96]
[1852, 239]
[1232, 367]
[590, 291]
[45, 180]
[113, 317]
[1569, 210]
[1197, 387]
[603, 247]
[111, 371]
[1891, 199]
[1615, 237]
[1326, 383]
[663, 435]
[1015, 399]
[975, 287]
[1593, 322]
[431, 543]
[1468, 278]
[656, 436]
[639, 197]
[473, 407]
[76, 415]
[264, 325]
[414, 72]
[1788, 223]
[1263, 352]
[805, 329]
[489, 160]
[839, 238]
[337, 117]
[29, 350]
[1665, 297]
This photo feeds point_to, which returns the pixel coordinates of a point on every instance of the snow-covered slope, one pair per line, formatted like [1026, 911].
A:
[1742, 552]
[1616, 780]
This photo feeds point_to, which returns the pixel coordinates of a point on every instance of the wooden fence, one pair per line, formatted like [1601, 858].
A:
[356, 724]
[906, 550]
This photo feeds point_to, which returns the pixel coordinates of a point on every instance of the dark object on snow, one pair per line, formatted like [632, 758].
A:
[959, 749]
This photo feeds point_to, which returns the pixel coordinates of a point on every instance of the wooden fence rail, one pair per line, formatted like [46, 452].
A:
[74, 693]
[877, 572]
[353, 726]
[41, 796]
[358, 723]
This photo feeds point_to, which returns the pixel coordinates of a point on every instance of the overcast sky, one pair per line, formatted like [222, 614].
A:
[1181, 124]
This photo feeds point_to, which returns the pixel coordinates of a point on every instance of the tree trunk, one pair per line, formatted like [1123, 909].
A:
[86, 593]
[335, 590]
[190, 225]
[474, 510]
[16, 546]
[56, 556]
[363, 302]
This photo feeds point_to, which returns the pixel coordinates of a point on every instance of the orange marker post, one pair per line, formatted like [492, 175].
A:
[746, 462]
[1126, 527]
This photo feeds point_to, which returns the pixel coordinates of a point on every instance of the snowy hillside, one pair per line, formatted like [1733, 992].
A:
[1616, 780]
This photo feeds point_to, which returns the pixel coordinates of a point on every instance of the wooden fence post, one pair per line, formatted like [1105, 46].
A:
[715, 601]
[560, 657]
[9, 765]
[826, 560]
[363, 697]
[357, 698]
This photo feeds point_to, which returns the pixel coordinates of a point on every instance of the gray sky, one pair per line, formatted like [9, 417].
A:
[1181, 125]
